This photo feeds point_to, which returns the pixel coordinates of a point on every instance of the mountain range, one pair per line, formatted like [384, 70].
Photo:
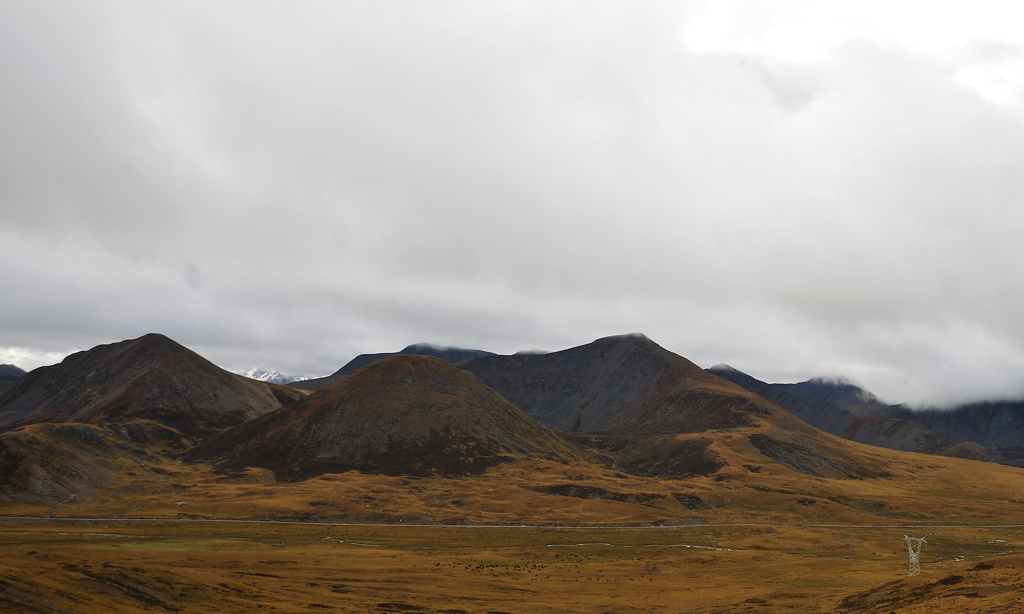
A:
[623, 402]
[998, 426]
[646, 406]
[992, 430]
[826, 404]
[619, 401]
[270, 376]
[405, 414]
[554, 461]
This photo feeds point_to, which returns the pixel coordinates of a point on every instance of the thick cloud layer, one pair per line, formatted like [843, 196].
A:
[793, 189]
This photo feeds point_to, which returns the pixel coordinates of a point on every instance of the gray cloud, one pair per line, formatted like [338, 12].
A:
[287, 186]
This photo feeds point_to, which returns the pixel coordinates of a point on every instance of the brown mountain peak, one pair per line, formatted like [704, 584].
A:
[151, 377]
[404, 414]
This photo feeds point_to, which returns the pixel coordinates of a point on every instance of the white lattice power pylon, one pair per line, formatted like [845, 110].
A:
[914, 548]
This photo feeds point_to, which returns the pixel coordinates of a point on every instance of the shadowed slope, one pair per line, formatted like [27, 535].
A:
[988, 423]
[838, 392]
[658, 413]
[405, 414]
[150, 378]
[909, 436]
[626, 383]
[9, 374]
[816, 412]
[881, 431]
[998, 426]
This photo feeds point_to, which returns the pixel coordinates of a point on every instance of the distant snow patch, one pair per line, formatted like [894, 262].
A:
[269, 376]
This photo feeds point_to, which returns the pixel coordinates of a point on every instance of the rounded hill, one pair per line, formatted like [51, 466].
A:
[406, 414]
[149, 378]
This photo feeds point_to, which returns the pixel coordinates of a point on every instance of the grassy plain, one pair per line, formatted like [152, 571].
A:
[895, 488]
[202, 566]
[524, 537]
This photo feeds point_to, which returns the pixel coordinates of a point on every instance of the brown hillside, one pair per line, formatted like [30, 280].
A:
[406, 414]
[51, 462]
[149, 378]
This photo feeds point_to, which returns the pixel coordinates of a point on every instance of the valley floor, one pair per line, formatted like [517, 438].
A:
[102, 565]
[524, 537]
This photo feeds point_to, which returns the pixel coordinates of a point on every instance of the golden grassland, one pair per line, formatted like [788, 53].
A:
[525, 536]
[900, 488]
[190, 566]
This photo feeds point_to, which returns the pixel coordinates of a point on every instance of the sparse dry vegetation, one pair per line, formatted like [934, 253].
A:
[763, 514]
[755, 537]
[182, 566]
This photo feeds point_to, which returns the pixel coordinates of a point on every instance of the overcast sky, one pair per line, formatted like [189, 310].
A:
[793, 188]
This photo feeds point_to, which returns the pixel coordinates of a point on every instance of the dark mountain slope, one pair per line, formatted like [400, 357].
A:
[658, 413]
[11, 371]
[8, 375]
[990, 423]
[838, 392]
[448, 354]
[626, 383]
[998, 426]
[150, 378]
[405, 414]
[909, 436]
[420, 416]
[881, 431]
[816, 412]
